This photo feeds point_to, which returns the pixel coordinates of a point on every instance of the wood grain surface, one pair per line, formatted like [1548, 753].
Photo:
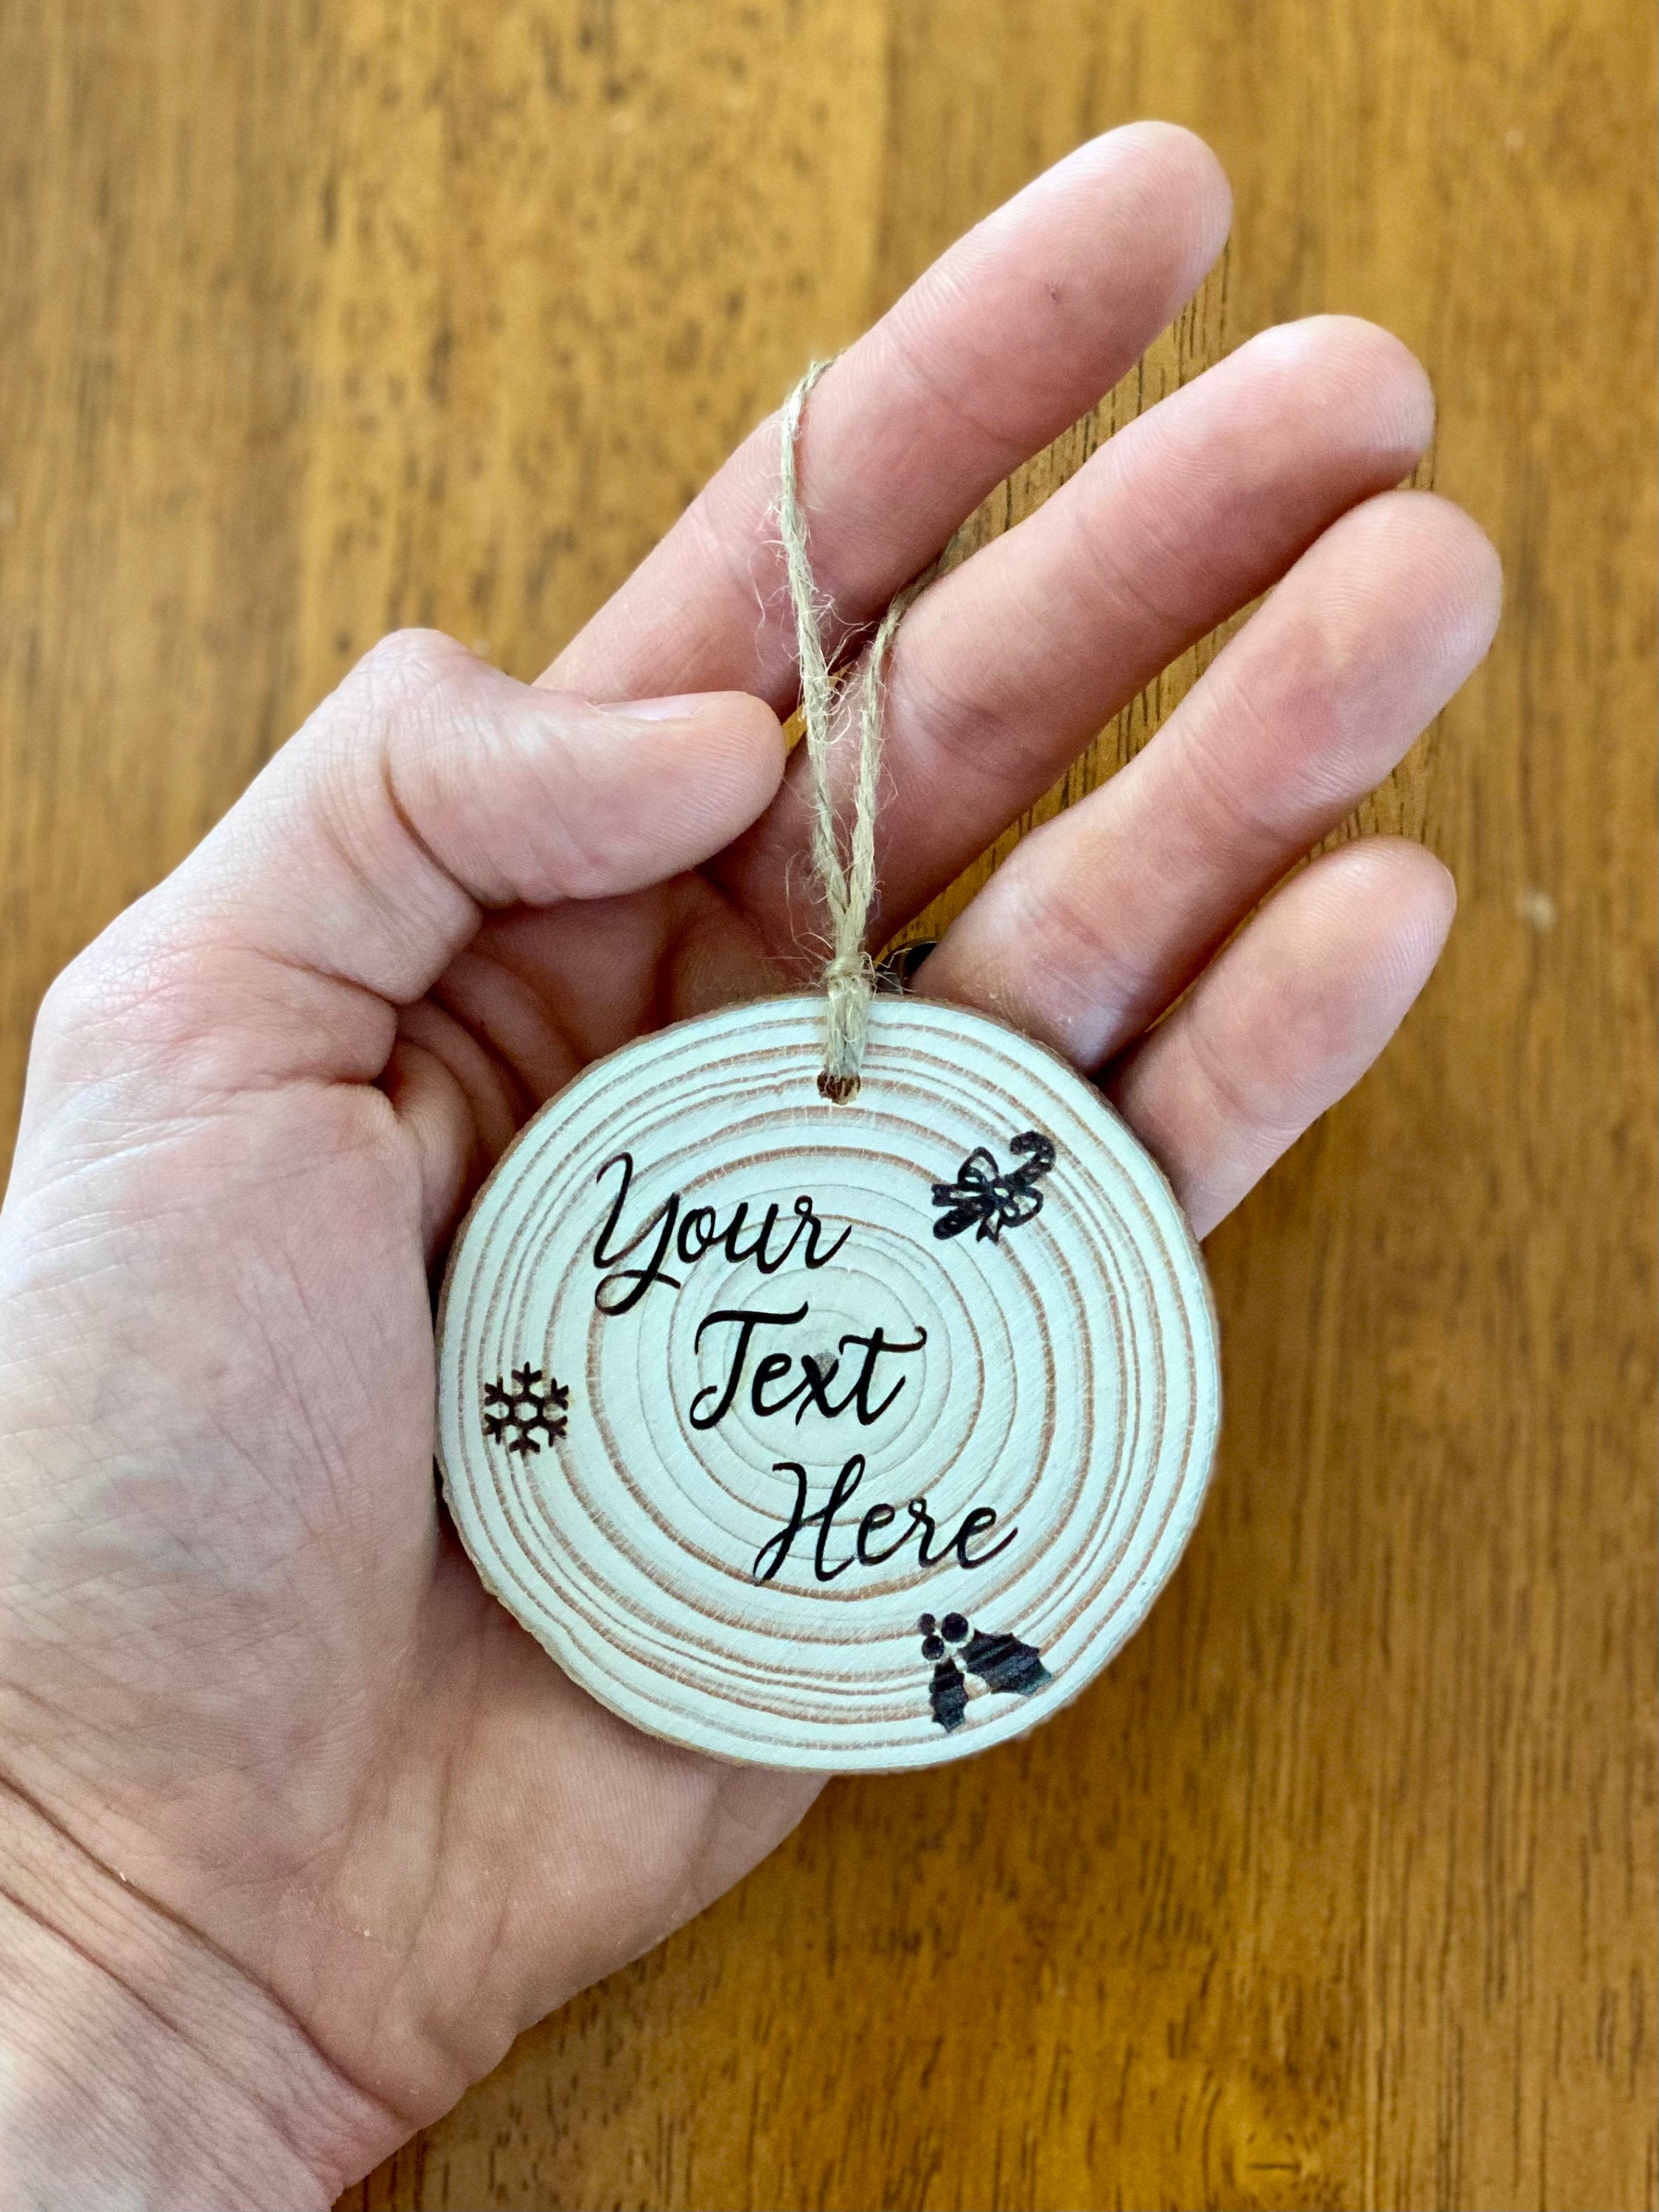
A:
[710, 1549]
[319, 316]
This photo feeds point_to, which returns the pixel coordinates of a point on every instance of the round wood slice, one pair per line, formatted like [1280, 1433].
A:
[696, 1303]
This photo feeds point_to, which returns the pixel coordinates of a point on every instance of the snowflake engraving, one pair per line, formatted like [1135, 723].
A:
[515, 1410]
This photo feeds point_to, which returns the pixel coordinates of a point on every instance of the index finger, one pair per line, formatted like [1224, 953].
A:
[1011, 335]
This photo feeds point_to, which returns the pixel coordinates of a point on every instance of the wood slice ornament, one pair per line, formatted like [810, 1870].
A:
[831, 1383]
[818, 1435]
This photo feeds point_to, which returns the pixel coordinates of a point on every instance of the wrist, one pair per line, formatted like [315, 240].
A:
[140, 2067]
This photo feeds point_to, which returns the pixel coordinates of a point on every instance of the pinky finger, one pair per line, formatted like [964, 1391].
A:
[1285, 1020]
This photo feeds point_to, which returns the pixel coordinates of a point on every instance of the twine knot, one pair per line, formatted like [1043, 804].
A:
[849, 983]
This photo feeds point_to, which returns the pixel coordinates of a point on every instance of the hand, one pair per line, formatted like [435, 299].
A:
[297, 1829]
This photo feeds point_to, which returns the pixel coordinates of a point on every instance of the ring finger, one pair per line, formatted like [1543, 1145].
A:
[1101, 918]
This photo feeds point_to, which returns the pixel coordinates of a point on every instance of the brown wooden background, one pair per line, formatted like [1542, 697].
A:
[320, 316]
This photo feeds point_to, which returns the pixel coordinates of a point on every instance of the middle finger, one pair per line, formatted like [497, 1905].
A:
[1008, 666]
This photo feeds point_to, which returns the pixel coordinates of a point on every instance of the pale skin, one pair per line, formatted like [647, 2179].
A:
[297, 1829]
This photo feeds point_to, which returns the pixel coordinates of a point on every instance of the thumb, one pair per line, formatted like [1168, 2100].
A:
[341, 885]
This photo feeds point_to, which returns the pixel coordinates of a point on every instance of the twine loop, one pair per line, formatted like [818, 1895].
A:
[846, 884]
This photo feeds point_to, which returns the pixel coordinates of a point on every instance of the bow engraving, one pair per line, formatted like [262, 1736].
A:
[983, 1195]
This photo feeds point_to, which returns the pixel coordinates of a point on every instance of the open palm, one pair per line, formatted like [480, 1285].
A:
[297, 1828]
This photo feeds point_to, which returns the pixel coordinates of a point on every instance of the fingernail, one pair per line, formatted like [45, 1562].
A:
[679, 708]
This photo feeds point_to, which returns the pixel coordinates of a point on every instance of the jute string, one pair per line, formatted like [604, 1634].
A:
[846, 884]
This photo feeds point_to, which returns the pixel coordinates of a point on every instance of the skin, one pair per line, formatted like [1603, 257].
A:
[297, 1829]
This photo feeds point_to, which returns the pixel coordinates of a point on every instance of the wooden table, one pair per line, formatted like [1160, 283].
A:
[321, 316]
